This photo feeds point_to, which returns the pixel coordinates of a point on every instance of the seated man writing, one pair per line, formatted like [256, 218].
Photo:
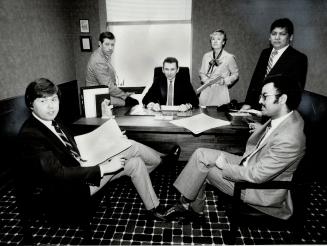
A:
[48, 153]
[273, 152]
[170, 88]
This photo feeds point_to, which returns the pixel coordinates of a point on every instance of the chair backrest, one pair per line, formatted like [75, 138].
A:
[313, 109]
[183, 72]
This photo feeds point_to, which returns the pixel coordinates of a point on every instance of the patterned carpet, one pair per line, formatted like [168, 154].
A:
[120, 219]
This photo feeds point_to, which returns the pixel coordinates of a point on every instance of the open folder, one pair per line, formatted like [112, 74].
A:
[102, 143]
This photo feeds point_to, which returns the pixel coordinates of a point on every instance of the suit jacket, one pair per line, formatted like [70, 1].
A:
[291, 63]
[275, 159]
[183, 89]
[44, 160]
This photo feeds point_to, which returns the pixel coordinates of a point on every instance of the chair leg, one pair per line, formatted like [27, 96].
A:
[87, 234]
[27, 233]
[229, 237]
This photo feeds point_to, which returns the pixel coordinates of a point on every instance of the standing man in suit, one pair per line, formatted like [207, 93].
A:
[272, 153]
[49, 154]
[100, 71]
[280, 58]
[171, 88]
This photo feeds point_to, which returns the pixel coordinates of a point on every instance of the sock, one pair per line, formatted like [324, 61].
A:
[185, 202]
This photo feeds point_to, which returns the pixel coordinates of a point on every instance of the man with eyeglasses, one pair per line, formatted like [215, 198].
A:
[273, 152]
[279, 58]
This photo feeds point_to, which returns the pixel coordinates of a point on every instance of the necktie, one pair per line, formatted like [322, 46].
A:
[270, 61]
[170, 93]
[263, 135]
[64, 138]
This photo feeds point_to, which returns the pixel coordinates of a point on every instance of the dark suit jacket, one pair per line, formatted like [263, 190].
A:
[292, 63]
[45, 161]
[183, 90]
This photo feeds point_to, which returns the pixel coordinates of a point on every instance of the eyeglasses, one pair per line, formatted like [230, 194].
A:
[264, 96]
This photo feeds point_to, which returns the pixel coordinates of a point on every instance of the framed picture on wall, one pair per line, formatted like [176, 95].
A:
[86, 43]
[84, 25]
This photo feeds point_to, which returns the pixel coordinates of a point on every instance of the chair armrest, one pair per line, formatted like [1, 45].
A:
[241, 185]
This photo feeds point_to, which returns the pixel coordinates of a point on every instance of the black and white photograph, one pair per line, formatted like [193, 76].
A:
[163, 122]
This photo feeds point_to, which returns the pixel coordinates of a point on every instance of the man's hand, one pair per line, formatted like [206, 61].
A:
[114, 165]
[245, 107]
[154, 106]
[185, 107]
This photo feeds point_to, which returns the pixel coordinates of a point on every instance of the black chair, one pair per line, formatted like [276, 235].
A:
[184, 72]
[313, 108]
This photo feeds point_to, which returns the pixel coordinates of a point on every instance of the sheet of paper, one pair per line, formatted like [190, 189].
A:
[90, 102]
[199, 123]
[102, 143]
[169, 108]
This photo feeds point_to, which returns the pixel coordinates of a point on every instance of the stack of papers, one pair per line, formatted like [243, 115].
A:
[200, 123]
[101, 144]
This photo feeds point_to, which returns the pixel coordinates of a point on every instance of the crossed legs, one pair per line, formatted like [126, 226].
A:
[199, 171]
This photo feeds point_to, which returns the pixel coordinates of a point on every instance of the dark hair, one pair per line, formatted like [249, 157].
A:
[108, 35]
[283, 23]
[40, 88]
[288, 86]
[170, 60]
[222, 32]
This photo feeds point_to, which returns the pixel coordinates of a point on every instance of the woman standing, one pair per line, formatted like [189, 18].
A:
[218, 71]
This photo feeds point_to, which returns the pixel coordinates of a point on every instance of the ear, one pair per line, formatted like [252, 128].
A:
[177, 70]
[283, 98]
[291, 38]
[99, 43]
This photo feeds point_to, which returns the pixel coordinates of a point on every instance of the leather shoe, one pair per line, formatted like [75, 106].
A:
[173, 154]
[156, 214]
[175, 212]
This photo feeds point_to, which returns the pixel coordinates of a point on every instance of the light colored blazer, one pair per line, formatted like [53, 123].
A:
[276, 159]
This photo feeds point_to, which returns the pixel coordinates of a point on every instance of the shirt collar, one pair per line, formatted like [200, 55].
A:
[47, 123]
[276, 122]
[281, 51]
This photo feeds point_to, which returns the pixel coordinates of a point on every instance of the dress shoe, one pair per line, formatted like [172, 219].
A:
[175, 212]
[156, 214]
[194, 217]
[173, 154]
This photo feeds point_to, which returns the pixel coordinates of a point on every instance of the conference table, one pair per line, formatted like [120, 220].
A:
[160, 134]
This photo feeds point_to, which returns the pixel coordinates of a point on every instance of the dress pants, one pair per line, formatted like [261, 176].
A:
[200, 170]
[140, 161]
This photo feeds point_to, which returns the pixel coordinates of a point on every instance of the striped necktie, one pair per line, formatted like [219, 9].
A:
[170, 93]
[66, 141]
[270, 61]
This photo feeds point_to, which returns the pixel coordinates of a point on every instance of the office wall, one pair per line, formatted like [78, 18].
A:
[84, 9]
[247, 24]
[36, 40]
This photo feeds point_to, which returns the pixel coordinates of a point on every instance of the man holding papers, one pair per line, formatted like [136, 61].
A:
[171, 88]
[49, 156]
[273, 152]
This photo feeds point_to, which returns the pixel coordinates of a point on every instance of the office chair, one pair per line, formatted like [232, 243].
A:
[35, 208]
[184, 72]
[313, 108]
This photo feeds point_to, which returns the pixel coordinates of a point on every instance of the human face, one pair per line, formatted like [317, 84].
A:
[46, 107]
[170, 70]
[270, 101]
[108, 46]
[217, 40]
[279, 38]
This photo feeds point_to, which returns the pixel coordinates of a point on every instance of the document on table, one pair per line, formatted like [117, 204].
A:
[200, 123]
[102, 143]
